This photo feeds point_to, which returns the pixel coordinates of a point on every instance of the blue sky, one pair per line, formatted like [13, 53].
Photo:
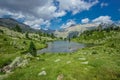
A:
[57, 14]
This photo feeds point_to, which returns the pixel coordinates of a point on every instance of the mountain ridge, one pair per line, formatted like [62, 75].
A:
[12, 23]
[77, 30]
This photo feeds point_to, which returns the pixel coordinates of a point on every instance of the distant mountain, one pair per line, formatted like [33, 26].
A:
[49, 31]
[74, 30]
[11, 23]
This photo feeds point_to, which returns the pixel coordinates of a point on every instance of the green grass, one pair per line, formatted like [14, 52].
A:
[13, 43]
[101, 66]
[100, 62]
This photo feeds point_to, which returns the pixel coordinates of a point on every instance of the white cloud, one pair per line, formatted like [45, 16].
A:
[68, 24]
[85, 20]
[13, 14]
[59, 14]
[76, 6]
[39, 12]
[37, 23]
[102, 19]
[103, 4]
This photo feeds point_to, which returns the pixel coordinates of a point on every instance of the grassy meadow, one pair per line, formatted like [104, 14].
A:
[100, 62]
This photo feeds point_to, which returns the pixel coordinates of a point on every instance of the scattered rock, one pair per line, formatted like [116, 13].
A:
[6, 69]
[13, 65]
[23, 63]
[28, 56]
[43, 73]
[86, 62]
[60, 77]
[68, 62]
[17, 62]
[81, 58]
[57, 60]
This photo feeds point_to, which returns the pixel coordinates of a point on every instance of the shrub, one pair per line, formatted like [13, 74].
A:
[24, 42]
[17, 28]
[24, 52]
[27, 35]
[4, 39]
[94, 52]
[1, 31]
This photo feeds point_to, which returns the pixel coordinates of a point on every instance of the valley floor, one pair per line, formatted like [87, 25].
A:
[100, 62]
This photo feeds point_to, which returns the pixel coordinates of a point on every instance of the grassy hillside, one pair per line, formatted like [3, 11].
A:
[13, 44]
[100, 62]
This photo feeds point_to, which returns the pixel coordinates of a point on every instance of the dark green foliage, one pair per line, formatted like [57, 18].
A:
[27, 35]
[69, 39]
[24, 52]
[74, 36]
[17, 28]
[40, 33]
[112, 45]
[32, 49]
[52, 35]
[44, 41]
[65, 39]
[24, 42]
[5, 62]
[4, 39]
[94, 52]
[1, 31]
[61, 38]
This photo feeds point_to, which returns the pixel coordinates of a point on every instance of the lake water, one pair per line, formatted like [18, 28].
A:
[62, 46]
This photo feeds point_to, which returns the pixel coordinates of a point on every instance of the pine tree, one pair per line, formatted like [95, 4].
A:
[27, 35]
[17, 28]
[32, 49]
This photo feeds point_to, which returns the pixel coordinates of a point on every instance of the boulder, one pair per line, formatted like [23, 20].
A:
[16, 62]
[6, 69]
[60, 77]
[28, 56]
[12, 66]
[82, 58]
[57, 60]
[86, 62]
[23, 63]
[43, 73]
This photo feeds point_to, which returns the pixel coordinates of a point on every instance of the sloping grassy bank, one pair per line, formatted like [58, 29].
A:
[99, 62]
[13, 44]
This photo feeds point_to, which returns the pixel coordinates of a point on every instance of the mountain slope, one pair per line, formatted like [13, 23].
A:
[70, 31]
[11, 23]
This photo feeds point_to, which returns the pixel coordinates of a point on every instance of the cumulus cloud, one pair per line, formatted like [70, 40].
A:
[36, 23]
[13, 14]
[103, 19]
[103, 4]
[68, 24]
[85, 20]
[39, 12]
[76, 6]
